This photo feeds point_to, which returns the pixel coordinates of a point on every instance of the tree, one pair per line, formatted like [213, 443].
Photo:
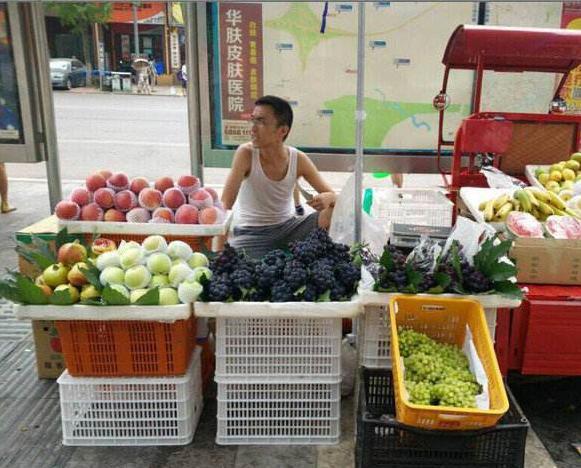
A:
[79, 17]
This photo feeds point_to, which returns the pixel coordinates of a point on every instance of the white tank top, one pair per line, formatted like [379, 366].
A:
[263, 201]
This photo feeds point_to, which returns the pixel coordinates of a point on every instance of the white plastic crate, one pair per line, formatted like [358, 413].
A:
[374, 340]
[131, 411]
[304, 413]
[412, 206]
[254, 349]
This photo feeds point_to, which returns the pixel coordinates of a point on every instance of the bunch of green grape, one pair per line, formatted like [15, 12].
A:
[437, 374]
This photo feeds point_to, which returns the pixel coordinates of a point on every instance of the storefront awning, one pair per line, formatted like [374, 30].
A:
[514, 49]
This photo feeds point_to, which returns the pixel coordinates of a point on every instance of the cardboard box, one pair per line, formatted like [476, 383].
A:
[50, 361]
[547, 261]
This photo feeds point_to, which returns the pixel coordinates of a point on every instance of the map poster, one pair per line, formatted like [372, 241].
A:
[571, 19]
[241, 67]
[10, 124]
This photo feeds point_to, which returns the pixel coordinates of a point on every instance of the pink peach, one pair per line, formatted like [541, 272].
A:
[187, 214]
[188, 183]
[138, 184]
[81, 196]
[201, 199]
[165, 213]
[125, 200]
[163, 183]
[211, 215]
[173, 198]
[118, 182]
[104, 197]
[150, 198]
[213, 193]
[92, 212]
[67, 209]
[95, 182]
[105, 173]
[113, 215]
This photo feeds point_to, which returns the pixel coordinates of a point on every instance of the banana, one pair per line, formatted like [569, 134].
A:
[556, 201]
[559, 212]
[524, 200]
[489, 210]
[482, 206]
[500, 201]
[532, 198]
[504, 210]
[570, 212]
[515, 204]
[536, 213]
[540, 195]
[545, 208]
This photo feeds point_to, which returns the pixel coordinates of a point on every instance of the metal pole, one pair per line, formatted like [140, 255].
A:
[359, 117]
[135, 30]
[46, 105]
[193, 91]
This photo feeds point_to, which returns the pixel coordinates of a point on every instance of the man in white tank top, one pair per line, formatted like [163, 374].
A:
[262, 178]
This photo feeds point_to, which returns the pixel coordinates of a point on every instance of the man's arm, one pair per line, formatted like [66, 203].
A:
[309, 171]
[240, 169]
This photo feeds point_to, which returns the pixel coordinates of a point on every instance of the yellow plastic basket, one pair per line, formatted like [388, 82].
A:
[445, 320]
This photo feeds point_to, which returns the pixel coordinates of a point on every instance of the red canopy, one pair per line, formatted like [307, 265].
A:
[514, 49]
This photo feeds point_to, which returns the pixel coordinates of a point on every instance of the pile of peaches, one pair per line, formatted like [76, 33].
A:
[113, 197]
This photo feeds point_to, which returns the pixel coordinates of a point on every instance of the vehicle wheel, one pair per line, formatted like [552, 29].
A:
[69, 84]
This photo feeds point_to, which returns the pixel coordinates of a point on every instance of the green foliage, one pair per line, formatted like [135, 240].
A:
[151, 297]
[112, 297]
[79, 16]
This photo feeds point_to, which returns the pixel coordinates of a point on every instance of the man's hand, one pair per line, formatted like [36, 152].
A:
[322, 201]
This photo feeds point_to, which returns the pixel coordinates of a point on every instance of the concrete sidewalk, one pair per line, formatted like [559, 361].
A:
[157, 90]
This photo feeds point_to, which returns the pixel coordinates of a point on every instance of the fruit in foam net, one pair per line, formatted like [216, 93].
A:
[104, 197]
[188, 183]
[120, 289]
[186, 214]
[137, 294]
[168, 296]
[55, 275]
[118, 182]
[212, 193]
[164, 213]
[108, 259]
[66, 209]
[159, 263]
[173, 198]
[163, 183]
[127, 245]
[137, 277]
[138, 215]
[95, 181]
[75, 276]
[159, 281]
[71, 253]
[154, 243]
[74, 292]
[132, 257]
[81, 196]
[178, 273]
[114, 216]
[150, 198]
[201, 199]
[89, 292]
[201, 272]
[198, 259]
[189, 290]
[211, 215]
[92, 212]
[112, 275]
[125, 200]
[568, 174]
[566, 194]
[179, 249]
[138, 184]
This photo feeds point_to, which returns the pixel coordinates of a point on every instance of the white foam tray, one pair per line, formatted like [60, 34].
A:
[279, 309]
[487, 301]
[101, 227]
[473, 196]
[88, 312]
[530, 174]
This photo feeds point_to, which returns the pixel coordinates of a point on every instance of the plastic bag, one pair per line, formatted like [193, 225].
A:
[348, 365]
[470, 234]
[498, 179]
[425, 255]
[343, 222]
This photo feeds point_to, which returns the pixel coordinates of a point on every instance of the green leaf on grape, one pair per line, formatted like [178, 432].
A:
[150, 298]
[386, 260]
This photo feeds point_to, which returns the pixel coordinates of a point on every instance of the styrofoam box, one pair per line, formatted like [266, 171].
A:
[304, 413]
[374, 341]
[131, 411]
[412, 206]
[284, 348]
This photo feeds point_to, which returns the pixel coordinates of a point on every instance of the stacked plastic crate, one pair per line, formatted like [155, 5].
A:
[133, 373]
[278, 370]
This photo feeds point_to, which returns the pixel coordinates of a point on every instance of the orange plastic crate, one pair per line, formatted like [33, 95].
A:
[127, 348]
[195, 242]
[445, 320]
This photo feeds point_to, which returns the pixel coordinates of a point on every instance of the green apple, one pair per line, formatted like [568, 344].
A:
[137, 277]
[74, 292]
[55, 275]
[168, 296]
[198, 259]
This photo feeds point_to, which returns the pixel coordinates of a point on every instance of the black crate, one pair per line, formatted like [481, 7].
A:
[384, 442]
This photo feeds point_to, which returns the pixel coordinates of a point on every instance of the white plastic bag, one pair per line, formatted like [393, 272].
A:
[342, 228]
[470, 234]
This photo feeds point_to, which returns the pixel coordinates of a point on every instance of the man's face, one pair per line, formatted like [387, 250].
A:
[265, 129]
